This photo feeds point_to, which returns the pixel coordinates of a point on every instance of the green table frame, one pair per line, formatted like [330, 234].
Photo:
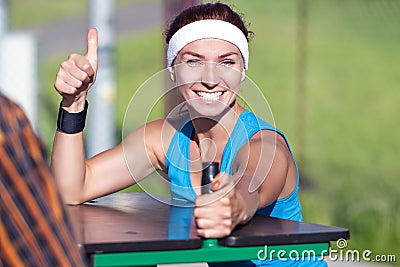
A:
[210, 252]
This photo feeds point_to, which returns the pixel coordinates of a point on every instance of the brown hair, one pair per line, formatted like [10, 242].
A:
[217, 11]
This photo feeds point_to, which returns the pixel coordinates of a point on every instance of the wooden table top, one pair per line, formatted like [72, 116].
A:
[128, 222]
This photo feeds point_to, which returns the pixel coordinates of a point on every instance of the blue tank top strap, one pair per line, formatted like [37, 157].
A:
[177, 162]
[247, 125]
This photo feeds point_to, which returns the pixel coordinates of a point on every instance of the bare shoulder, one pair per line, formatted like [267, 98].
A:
[158, 130]
[266, 146]
[271, 140]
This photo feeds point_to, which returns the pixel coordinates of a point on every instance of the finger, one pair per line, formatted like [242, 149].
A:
[205, 223]
[222, 180]
[92, 43]
[216, 198]
[77, 69]
[69, 79]
[216, 210]
[207, 199]
[79, 66]
[64, 88]
[204, 211]
[213, 233]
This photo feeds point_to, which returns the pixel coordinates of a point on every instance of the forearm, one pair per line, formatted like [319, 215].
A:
[247, 205]
[68, 165]
[74, 78]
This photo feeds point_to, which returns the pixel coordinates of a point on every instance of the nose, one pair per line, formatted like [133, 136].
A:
[210, 78]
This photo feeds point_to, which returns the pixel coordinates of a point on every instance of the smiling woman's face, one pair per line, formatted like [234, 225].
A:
[209, 74]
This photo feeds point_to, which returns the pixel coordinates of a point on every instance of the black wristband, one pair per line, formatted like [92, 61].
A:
[71, 123]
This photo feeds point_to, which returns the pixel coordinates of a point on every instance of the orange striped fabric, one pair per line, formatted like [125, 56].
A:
[34, 228]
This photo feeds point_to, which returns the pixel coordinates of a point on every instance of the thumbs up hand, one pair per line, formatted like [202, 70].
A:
[77, 74]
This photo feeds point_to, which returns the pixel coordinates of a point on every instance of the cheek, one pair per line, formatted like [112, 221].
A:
[187, 75]
[184, 92]
[232, 79]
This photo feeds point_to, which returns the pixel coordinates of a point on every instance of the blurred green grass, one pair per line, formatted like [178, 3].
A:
[352, 93]
[353, 77]
[29, 13]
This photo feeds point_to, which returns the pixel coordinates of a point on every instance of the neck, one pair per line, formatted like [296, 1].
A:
[212, 134]
[215, 126]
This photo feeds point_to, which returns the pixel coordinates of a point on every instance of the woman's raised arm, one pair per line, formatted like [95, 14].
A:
[80, 180]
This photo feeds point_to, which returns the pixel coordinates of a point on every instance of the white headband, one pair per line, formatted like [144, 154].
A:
[205, 29]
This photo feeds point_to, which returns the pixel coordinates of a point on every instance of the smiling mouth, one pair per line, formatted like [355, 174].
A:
[209, 96]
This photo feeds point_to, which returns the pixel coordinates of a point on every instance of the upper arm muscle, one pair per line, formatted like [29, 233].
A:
[264, 162]
[125, 164]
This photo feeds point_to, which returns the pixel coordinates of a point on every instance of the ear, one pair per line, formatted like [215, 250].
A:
[243, 75]
[172, 73]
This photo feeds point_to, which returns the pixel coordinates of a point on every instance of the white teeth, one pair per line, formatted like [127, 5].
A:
[209, 96]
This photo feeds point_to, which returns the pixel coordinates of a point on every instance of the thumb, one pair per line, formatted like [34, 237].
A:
[92, 41]
[222, 181]
[222, 185]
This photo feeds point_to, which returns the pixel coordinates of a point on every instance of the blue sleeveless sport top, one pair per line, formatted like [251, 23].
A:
[178, 166]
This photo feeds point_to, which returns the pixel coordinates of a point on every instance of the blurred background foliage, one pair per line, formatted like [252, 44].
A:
[348, 164]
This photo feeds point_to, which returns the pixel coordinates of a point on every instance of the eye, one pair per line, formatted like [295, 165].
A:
[227, 62]
[193, 62]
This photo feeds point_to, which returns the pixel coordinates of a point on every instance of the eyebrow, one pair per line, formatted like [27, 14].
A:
[191, 53]
[228, 54]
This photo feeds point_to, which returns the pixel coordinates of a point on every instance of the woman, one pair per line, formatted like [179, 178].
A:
[207, 59]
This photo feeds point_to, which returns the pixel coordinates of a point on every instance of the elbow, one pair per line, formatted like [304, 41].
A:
[72, 200]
